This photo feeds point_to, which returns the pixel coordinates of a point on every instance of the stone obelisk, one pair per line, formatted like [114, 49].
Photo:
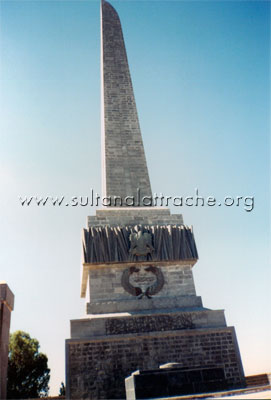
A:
[124, 168]
[142, 307]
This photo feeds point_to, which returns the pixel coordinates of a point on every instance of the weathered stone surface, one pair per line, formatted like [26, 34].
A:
[98, 366]
[105, 284]
[124, 163]
[149, 212]
[155, 304]
[6, 306]
[165, 320]
[131, 216]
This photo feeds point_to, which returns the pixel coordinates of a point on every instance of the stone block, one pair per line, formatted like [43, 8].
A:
[107, 284]
[164, 320]
[122, 216]
[132, 305]
[174, 381]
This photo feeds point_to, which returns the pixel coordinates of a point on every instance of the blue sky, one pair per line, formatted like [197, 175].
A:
[200, 72]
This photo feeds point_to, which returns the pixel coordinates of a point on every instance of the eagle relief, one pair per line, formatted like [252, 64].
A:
[141, 247]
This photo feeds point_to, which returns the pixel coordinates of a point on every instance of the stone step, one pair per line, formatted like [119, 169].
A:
[258, 380]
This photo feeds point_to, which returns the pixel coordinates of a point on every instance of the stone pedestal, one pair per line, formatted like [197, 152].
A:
[6, 304]
[143, 313]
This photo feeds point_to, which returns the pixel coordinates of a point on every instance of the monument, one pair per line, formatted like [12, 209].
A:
[6, 304]
[142, 309]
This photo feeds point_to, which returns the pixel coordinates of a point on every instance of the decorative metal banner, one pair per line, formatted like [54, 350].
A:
[138, 243]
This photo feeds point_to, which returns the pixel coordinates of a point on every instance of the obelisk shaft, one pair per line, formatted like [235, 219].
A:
[124, 168]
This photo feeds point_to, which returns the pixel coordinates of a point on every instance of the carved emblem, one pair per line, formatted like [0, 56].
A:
[142, 281]
[141, 246]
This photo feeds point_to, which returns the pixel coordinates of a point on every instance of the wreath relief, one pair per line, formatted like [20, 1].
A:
[142, 281]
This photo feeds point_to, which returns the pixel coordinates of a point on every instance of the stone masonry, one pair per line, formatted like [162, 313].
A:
[6, 304]
[124, 163]
[98, 366]
[134, 216]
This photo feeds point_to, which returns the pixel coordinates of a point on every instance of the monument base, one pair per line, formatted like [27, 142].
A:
[104, 351]
[143, 310]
